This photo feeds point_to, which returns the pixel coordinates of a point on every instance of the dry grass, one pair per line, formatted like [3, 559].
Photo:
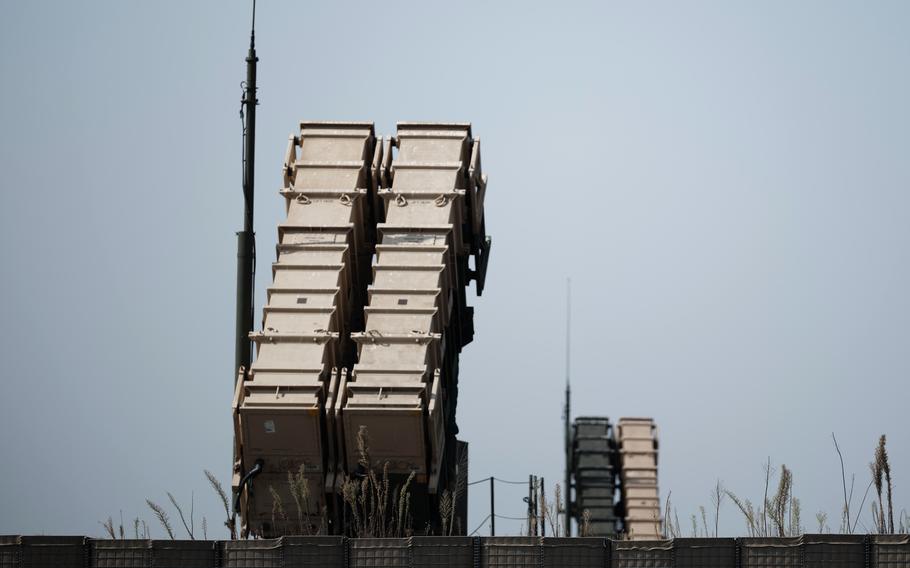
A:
[551, 512]
[279, 517]
[109, 527]
[119, 532]
[883, 519]
[671, 519]
[585, 528]
[230, 518]
[300, 493]
[780, 514]
[375, 508]
[192, 524]
[447, 512]
[821, 518]
[162, 517]
[141, 528]
[717, 499]
[559, 513]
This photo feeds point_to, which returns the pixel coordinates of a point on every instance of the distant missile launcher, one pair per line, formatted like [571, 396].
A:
[612, 478]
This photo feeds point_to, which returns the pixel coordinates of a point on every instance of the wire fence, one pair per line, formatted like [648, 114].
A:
[487, 480]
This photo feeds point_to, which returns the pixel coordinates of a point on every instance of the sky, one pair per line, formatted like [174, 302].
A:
[727, 184]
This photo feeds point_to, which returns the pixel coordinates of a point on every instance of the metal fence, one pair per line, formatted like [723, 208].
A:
[809, 551]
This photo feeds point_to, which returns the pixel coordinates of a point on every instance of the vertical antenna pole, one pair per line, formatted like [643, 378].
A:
[492, 508]
[246, 239]
[567, 411]
[568, 328]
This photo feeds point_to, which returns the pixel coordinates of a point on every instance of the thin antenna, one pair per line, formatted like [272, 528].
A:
[568, 327]
[567, 411]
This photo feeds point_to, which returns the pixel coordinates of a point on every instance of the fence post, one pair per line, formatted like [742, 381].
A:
[543, 507]
[867, 551]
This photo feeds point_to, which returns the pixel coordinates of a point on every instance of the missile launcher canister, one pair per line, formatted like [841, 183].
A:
[365, 318]
[613, 472]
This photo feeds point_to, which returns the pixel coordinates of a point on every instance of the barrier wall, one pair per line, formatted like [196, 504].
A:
[809, 551]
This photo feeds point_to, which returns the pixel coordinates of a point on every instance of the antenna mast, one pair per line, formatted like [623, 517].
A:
[567, 411]
[246, 239]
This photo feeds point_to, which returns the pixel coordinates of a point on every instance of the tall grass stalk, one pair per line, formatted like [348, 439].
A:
[230, 517]
[376, 508]
[189, 527]
[162, 517]
[717, 498]
[109, 527]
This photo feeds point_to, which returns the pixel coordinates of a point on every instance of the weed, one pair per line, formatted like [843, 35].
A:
[671, 528]
[717, 498]
[446, 511]
[300, 492]
[585, 523]
[189, 527]
[822, 518]
[230, 518]
[368, 500]
[779, 515]
[109, 527]
[279, 517]
[162, 517]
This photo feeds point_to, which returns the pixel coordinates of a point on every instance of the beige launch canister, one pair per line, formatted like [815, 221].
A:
[365, 319]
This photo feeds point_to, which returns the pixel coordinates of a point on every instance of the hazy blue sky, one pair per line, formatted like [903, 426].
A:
[727, 184]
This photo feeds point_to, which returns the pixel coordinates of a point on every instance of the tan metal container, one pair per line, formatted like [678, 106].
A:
[638, 444]
[402, 352]
[635, 460]
[637, 440]
[634, 492]
[322, 255]
[641, 529]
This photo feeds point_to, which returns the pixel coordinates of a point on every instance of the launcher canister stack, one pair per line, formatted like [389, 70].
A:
[605, 460]
[364, 322]
[637, 442]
